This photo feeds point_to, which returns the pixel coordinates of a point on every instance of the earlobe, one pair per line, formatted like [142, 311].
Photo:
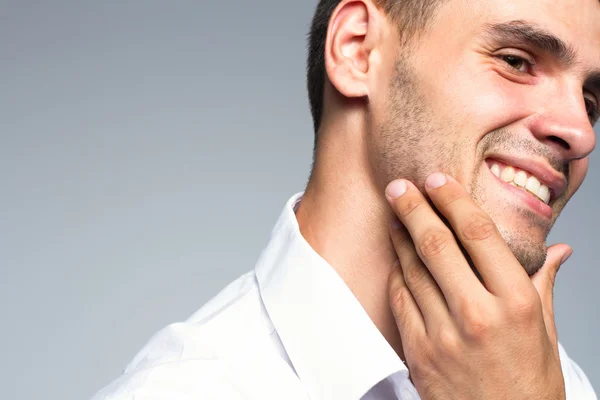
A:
[348, 47]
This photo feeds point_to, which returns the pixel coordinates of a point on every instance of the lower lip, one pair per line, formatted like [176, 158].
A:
[531, 200]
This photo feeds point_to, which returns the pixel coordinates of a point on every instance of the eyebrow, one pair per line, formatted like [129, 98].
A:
[528, 34]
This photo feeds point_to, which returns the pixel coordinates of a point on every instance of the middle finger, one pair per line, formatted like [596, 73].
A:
[435, 244]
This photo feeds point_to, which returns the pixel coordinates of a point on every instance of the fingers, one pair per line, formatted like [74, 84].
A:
[544, 279]
[405, 309]
[477, 232]
[434, 244]
[418, 279]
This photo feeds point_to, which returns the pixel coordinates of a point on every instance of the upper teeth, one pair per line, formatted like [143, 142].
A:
[523, 179]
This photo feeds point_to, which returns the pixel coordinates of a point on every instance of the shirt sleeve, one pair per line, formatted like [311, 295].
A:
[577, 385]
[185, 380]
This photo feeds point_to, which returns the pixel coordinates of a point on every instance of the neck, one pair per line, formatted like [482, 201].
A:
[344, 216]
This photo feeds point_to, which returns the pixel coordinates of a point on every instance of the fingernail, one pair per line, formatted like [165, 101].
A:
[435, 180]
[396, 188]
[566, 257]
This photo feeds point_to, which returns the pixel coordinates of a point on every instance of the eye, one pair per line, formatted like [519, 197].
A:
[517, 63]
[591, 107]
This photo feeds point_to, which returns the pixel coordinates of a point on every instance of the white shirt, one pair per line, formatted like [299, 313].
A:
[289, 330]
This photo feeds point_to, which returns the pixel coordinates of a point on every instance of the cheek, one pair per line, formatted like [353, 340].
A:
[489, 103]
[577, 171]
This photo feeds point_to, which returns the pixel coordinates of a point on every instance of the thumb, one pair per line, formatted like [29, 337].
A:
[544, 279]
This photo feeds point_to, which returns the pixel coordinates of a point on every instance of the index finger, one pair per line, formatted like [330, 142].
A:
[435, 244]
[500, 270]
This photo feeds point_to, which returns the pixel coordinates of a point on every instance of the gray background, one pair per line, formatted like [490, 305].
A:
[146, 149]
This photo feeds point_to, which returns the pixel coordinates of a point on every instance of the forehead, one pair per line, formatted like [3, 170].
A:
[576, 22]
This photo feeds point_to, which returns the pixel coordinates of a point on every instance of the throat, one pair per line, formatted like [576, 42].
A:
[352, 236]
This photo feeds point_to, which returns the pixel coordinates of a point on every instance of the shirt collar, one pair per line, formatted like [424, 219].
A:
[336, 350]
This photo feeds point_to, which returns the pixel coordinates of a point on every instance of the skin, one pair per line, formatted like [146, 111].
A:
[447, 104]
[463, 339]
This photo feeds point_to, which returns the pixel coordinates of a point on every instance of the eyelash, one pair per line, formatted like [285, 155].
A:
[591, 107]
[504, 58]
[592, 111]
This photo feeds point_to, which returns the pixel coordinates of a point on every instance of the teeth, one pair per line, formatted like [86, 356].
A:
[508, 174]
[520, 178]
[533, 185]
[496, 170]
[544, 193]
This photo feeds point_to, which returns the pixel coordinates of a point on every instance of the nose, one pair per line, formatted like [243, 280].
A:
[565, 125]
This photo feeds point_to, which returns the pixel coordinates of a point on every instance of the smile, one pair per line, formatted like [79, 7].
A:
[521, 179]
[532, 181]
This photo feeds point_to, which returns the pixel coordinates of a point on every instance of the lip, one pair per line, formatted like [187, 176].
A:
[531, 200]
[547, 175]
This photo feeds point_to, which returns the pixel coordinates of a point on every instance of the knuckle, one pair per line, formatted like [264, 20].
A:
[416, 366]
[477, 324]
[448, 341]
[477, 330]
[523, 306]
[400, 298]
[421, 361]
[409, 206]
[416, 275]
[426, 291]
[433, 243]
[478, 227]
[451, 197]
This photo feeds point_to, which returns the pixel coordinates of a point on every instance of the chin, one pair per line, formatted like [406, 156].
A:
[528, 246]
[524, 230]
[522, 219]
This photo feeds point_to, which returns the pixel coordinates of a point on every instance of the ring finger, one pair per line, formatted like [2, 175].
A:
[420, 282]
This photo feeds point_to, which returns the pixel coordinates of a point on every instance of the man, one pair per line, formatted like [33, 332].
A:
[450, 134]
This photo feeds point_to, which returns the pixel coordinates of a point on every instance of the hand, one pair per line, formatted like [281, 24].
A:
[463, 338]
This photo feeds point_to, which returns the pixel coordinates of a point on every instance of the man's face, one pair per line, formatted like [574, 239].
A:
[487, 88]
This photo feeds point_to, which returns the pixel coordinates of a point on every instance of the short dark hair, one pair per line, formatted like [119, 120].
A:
[411, 16]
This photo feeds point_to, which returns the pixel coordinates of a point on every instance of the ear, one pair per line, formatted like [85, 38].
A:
[351, 39]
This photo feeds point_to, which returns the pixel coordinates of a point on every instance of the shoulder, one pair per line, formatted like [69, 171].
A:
[181, 380]
[226, 350]
[577, 385]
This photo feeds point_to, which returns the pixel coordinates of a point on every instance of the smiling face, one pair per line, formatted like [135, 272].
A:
[501, 95]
